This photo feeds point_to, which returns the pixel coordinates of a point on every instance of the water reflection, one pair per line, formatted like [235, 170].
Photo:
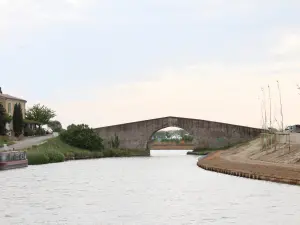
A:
[169, 189]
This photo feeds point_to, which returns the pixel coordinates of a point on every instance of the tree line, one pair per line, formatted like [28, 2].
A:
[38, 113]
[172, 135]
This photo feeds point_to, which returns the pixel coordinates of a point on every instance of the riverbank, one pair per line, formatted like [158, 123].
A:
[281, 165]
[201, 153]
[206, 151]
[54, 150]
[5, 140]
[172, 147]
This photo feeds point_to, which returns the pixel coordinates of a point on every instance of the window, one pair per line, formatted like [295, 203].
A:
[9, 108]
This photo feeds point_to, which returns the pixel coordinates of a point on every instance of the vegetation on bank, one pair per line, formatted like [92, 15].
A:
[202, 152]
[55, 150]
[176, 136]
[81, 136]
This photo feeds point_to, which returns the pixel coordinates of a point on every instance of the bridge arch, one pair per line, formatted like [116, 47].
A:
[206, 134]
[174, 138]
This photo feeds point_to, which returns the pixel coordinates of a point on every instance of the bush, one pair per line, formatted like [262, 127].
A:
[108, 153]
[117, 153]
[69, 155]
[49, 156]
[98, 155]
[55, 156]
[37, 158]
[83, 155]
[83, 137]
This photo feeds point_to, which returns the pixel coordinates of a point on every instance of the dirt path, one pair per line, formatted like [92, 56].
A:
[28, 142]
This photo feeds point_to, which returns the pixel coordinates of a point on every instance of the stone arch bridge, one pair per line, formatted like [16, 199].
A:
[206, 134]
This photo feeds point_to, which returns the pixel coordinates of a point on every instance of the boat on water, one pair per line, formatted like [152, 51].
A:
[13, 159]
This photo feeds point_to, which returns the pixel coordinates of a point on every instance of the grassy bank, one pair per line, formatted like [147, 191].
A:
[206, 151]
[54, 150]
[5, 140]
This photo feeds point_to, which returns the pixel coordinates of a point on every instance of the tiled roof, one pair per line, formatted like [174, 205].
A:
[11, 97]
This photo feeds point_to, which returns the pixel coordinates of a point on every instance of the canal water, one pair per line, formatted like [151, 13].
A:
[167, 188]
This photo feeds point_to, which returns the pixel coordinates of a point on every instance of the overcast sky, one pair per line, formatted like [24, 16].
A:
[108, 62]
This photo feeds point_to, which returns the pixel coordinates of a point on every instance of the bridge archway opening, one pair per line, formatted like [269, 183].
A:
[171, 139]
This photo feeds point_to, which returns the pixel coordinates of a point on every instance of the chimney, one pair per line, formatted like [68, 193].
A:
[1, 91]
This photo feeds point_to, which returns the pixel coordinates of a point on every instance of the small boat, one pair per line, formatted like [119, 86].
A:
[13, 159]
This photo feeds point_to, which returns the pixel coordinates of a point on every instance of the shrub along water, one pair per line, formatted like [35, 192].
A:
[44, 157]
[77, 142]
[37, 158]
[55, 156]
[55, 150]
[81, 136]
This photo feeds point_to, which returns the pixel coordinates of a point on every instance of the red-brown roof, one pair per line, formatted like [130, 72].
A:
[11, 97]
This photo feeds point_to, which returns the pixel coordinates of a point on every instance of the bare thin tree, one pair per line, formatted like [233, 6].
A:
[280, 105]
[264, 105]
[270, 114]
[265, 117]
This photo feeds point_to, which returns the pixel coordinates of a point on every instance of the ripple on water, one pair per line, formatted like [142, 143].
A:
[144, 191]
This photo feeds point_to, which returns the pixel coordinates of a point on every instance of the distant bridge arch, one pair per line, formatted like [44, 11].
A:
[206, 134]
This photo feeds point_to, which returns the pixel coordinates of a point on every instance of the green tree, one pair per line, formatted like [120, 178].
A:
[168, 135]
[7, 118]
[187, 138]
[18, 120]
[40, 113]
[82, 136]
[55, 125]
[2, 120]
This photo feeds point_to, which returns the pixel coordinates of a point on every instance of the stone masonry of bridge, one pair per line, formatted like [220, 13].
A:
[206, 134]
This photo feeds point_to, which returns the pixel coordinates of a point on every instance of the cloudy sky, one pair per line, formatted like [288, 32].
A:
[107, 62]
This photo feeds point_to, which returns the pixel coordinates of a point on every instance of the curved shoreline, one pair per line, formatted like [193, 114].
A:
[258, 171]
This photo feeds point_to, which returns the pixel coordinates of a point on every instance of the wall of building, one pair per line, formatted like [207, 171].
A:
[206, 134]
[10, 104]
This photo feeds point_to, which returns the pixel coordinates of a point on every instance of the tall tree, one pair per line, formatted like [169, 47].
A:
[2, 120]
[40, 113]
[55, 125]
[18, 120]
